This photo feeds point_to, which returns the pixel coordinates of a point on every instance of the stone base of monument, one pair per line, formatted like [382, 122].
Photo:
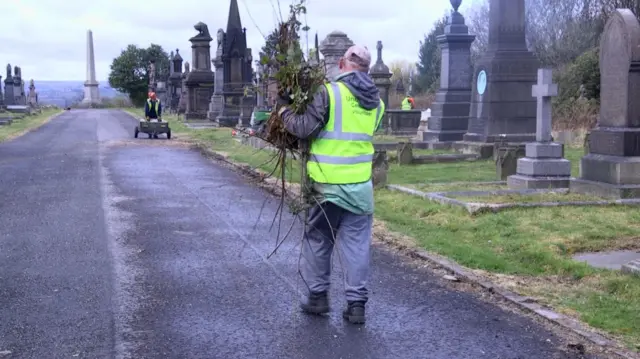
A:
[439, 136]
[212, 115]
[530, 182]
[604, 190]
[18, 109]
[603, 175]
[483, 150]
[543, 167]
[632, 267]
[390, 146]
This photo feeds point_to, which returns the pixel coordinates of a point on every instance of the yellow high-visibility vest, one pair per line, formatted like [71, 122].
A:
[153, 105]
[343, 151]
[406, 105]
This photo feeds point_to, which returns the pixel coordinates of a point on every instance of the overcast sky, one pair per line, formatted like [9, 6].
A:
[47, 39]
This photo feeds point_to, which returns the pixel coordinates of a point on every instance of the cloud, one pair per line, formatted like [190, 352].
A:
[47, 39]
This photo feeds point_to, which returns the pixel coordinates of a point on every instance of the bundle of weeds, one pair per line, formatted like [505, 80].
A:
[296, 78]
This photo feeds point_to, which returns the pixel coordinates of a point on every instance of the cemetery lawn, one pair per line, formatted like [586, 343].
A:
[26, 124]
[529, 198]
[457, 186]
[528, 250]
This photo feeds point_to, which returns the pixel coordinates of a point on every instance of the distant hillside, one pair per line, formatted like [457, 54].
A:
[65, 93]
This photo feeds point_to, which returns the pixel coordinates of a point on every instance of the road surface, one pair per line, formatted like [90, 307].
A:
[112, 247]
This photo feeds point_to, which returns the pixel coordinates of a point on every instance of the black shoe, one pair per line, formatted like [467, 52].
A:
[354, 313]
[316, 303]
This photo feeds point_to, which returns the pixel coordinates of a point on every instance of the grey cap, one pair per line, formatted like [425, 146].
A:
[359, 55]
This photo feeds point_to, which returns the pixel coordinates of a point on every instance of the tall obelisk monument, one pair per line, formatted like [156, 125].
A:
[91, 90]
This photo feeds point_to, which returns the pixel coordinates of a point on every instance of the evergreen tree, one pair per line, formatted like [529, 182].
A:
[429, 59]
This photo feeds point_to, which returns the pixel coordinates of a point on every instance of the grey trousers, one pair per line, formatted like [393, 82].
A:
[329, 227]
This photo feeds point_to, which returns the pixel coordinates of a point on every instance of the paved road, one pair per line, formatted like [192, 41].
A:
[119, 249]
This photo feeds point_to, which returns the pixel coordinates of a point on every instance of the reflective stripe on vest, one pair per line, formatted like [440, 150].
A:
[405, 104]
[340, 156]
[153, 105]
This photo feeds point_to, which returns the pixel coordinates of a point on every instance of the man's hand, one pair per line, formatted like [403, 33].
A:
[284, 100]
[147, 118]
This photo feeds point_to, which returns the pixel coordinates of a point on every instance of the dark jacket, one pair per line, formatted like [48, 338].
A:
[150, 112]
[310, 123]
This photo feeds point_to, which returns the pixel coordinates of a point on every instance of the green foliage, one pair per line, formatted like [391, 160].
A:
[429, 58]
[585, 70]
[270, 47]
[129, 71]
[295, 76]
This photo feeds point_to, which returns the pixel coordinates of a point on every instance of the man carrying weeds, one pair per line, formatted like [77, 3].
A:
[339, 123]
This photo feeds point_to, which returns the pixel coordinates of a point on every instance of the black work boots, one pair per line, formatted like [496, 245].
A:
[318, 303]
[354, 313]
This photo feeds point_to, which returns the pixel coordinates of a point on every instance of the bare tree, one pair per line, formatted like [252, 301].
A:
[558, 31]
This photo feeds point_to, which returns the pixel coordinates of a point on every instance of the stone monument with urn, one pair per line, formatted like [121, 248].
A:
[200, 80]
[450, 112]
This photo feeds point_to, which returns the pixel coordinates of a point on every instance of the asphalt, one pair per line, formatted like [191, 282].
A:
[112, 247]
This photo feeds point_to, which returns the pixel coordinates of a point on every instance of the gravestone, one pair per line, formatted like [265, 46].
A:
[405, 153]
[200, 79]
[450, 117]
[380, 168]
[175, 82]
[333, 47]
[18, 87]
[585, 144]
[424, 124]
[217, 100]
[237, 69]
[544, 165]
[9, 97]
[612, 167]
[184, 94]
[501, 101]
[381, 76]
[506, 162]
[32, 100]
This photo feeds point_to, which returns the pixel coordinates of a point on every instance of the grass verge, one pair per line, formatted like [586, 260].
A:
[534, 248]
[528, 250]
[530, 198]
[26, 124]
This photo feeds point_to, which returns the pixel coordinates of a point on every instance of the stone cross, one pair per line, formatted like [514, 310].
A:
[544, 90]
[379, 48]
